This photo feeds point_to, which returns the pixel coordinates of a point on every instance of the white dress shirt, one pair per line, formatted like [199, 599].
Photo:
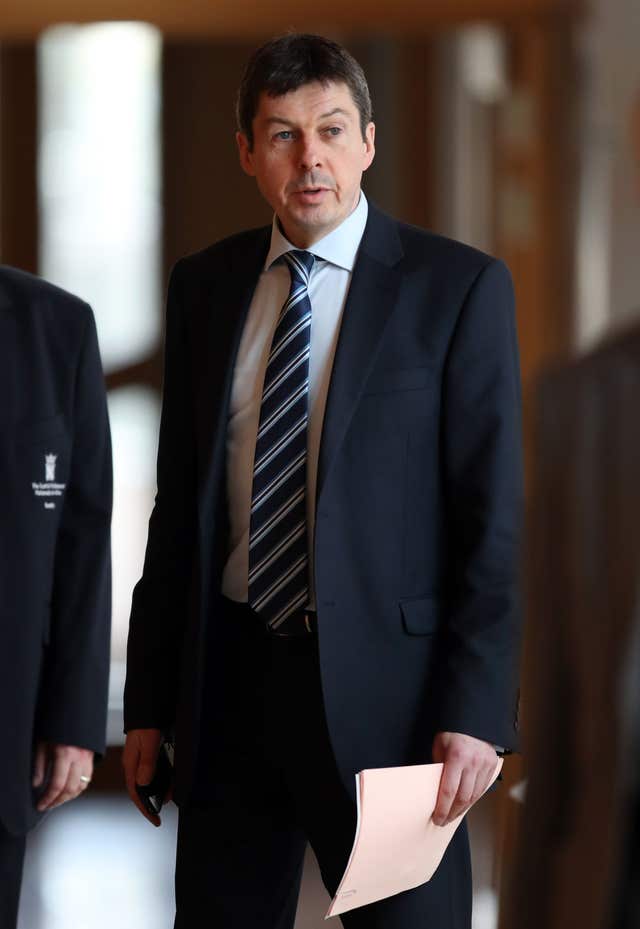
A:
[328, 288]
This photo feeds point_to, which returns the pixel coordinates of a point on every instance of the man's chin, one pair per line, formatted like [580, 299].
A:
[316, 219]
[297, 227]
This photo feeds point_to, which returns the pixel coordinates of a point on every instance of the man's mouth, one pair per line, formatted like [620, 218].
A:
[311, 192]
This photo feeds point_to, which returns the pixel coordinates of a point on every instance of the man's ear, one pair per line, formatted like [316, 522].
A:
[369, 145]
[245, 154]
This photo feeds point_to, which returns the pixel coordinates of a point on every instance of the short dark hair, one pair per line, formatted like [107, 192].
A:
[290, 61]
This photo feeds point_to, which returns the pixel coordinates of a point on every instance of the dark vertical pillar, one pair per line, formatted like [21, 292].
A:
[206, 195]
[18, 156]
[401, 77]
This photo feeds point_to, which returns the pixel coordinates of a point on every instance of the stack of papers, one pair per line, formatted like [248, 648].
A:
[396, 846]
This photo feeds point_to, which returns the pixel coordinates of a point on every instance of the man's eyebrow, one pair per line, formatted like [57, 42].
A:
[278, 119]
[270, 120]
[334, 112]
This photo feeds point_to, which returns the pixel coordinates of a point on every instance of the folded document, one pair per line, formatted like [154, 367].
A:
[397, 846]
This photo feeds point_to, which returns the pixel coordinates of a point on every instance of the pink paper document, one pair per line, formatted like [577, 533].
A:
[396, 846]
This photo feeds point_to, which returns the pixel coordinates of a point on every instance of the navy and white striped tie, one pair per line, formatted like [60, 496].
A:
[278, 556]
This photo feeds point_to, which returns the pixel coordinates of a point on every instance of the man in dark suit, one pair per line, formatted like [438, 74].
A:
[55, 467]
[329, 582]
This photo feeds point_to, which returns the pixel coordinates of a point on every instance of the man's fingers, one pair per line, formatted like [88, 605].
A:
[139, 761]
[70, 764]
[465, 796]
[40, 764]
[449, 783]
[57, 783]
[469, 765]
[473, 783]
[147, 760]
[72, 788]
[144, 772]
[130, 759]
[130, 778]
[483, 781]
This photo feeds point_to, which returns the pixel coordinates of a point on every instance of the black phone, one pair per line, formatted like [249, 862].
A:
[153, 794]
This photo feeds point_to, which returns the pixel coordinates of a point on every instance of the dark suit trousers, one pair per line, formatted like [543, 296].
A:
[11, 860]
[275, 786]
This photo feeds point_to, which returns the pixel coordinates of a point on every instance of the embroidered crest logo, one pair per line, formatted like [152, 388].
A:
[50, 487]
[50, 467]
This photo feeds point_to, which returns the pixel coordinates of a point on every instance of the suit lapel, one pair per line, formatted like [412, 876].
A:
[370, 302]
[222, 305]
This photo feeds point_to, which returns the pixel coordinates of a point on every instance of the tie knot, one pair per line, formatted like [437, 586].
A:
[300, 265]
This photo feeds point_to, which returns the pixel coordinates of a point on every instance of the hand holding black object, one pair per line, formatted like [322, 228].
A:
[154, 794]
[139, 760]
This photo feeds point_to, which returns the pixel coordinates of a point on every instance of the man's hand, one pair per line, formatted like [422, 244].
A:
[469, 765]
[70, 772]
[139, 762]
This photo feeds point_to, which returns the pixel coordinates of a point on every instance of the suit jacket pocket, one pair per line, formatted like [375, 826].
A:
[421, 617]
[382, 382]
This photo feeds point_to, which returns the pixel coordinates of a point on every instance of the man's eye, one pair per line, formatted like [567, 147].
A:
[285, 135]
[333, 130]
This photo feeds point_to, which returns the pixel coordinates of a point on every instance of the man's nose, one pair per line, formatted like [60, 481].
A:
[309, 153]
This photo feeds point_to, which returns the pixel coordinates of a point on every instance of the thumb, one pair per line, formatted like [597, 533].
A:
[39, 765]
[146, 763]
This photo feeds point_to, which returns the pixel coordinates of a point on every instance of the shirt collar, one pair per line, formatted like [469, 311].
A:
[339, 247]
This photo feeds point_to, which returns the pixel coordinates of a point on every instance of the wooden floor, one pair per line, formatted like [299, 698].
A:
[97, 864]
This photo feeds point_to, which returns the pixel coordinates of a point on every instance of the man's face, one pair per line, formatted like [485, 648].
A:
[308, 157]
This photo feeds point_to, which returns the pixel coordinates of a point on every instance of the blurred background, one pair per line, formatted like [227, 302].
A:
[503, 123]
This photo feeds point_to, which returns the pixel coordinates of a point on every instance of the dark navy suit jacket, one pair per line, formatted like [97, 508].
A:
[418, 505]
[55, 475]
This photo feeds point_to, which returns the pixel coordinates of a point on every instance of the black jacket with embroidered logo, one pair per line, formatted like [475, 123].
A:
[55, 572]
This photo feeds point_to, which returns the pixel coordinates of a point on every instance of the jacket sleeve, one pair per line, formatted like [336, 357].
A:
[74, 689]
[483, 493]
[160, 598]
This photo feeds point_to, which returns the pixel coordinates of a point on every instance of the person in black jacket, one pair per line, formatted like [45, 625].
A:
[55, 570]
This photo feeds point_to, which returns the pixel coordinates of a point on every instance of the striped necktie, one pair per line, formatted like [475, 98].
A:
[278, 556]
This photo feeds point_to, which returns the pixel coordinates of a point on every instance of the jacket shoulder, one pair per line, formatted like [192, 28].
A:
[424, 251]
[420, 244]
[23, 289]
[220, 254]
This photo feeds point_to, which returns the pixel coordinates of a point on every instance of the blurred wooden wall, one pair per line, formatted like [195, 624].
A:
[536, 166]
[231, 19]
[18, 156]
